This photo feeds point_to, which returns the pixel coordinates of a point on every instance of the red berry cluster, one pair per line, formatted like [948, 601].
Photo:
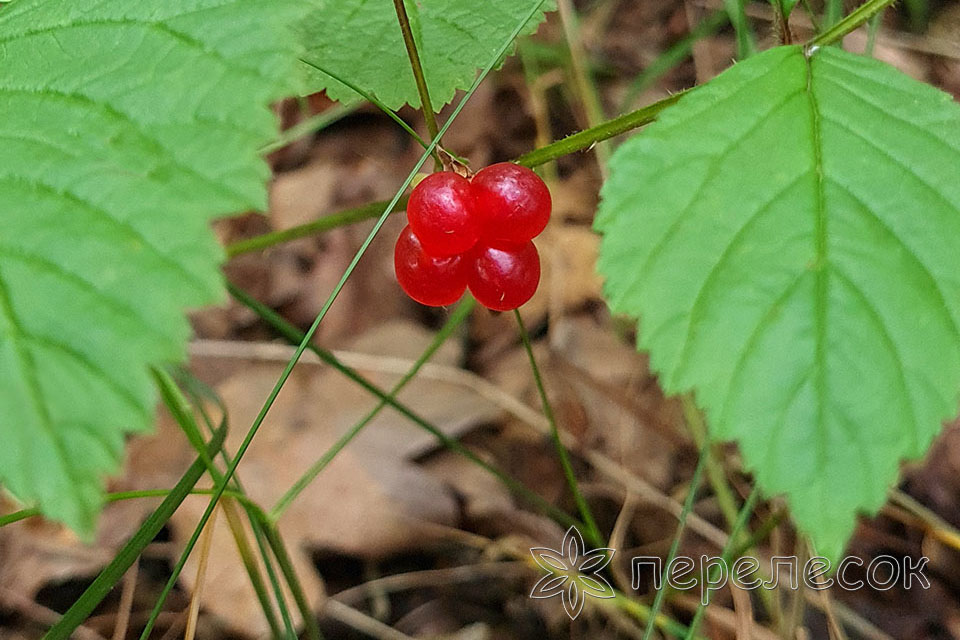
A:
[475, 233]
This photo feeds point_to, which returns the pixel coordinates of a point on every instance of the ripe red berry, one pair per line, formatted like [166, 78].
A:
[441, 213]
[504, 276]
[429, 280]
[512, 201]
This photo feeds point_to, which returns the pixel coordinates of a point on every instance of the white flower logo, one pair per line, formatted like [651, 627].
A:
[572, 573]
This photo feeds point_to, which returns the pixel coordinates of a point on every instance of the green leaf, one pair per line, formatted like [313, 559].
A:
[360, 40]
[127, 125]
[789, 236]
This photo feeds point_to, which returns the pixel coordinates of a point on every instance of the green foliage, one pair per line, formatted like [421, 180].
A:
[789, 236]
[127, 126]
[360, 40]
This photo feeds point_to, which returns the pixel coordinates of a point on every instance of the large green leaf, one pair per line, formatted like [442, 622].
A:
[789, 236]
[126, 126]
[360, 41]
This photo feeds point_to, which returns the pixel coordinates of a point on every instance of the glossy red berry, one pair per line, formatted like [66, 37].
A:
[512, 201]
[504, 276]
[441, 213]
[430, 280]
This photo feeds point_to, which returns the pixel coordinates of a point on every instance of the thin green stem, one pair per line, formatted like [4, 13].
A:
[178, 568]
[216, 494]
[180, 408]
[260, 537]
[108, 578]
[851, 23]
[643, 614]
[538, 103]
[571, 144]
[289, 573]
[327, 223]
[411, 44]
[302, 347]
[198, 391]
[294, 336]
[746, 43]
[583, 78]
[592, 532]
[455, 320]
[34, 512]
[811, 14]
[23, 514]
[761, 533]
[369, 97]
[120, 496]
[872, 30]
[715, 472]
[833, 13]
[256, 580]
[588, 137]
[728, 551]
[263, 535]
[312, 124]
[678, 536]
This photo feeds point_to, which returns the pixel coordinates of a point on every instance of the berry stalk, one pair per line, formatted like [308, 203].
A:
[417, 68]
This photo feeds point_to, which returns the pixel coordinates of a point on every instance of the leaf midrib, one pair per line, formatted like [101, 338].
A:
[821, 284]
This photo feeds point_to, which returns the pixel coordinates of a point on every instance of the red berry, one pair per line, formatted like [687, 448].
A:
[441, 214]
[429, 280]
[512, 201]
[504, 276]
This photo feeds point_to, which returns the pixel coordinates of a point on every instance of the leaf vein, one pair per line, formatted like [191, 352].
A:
[141, 129]
[122, 225]
[96, 369]
[161, 27]
[913, 126]
[911, 253]
[56, 269]
[715, 166]
[754, 339]
[717, 267]
[874, 312]
[28, 370]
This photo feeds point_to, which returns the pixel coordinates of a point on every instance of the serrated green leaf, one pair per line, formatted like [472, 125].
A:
[127, 125]
[789, 236]
[361, 40]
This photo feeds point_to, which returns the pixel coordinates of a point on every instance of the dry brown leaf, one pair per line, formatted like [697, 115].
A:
[630, 419]
[483, 496]
[602, 392]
